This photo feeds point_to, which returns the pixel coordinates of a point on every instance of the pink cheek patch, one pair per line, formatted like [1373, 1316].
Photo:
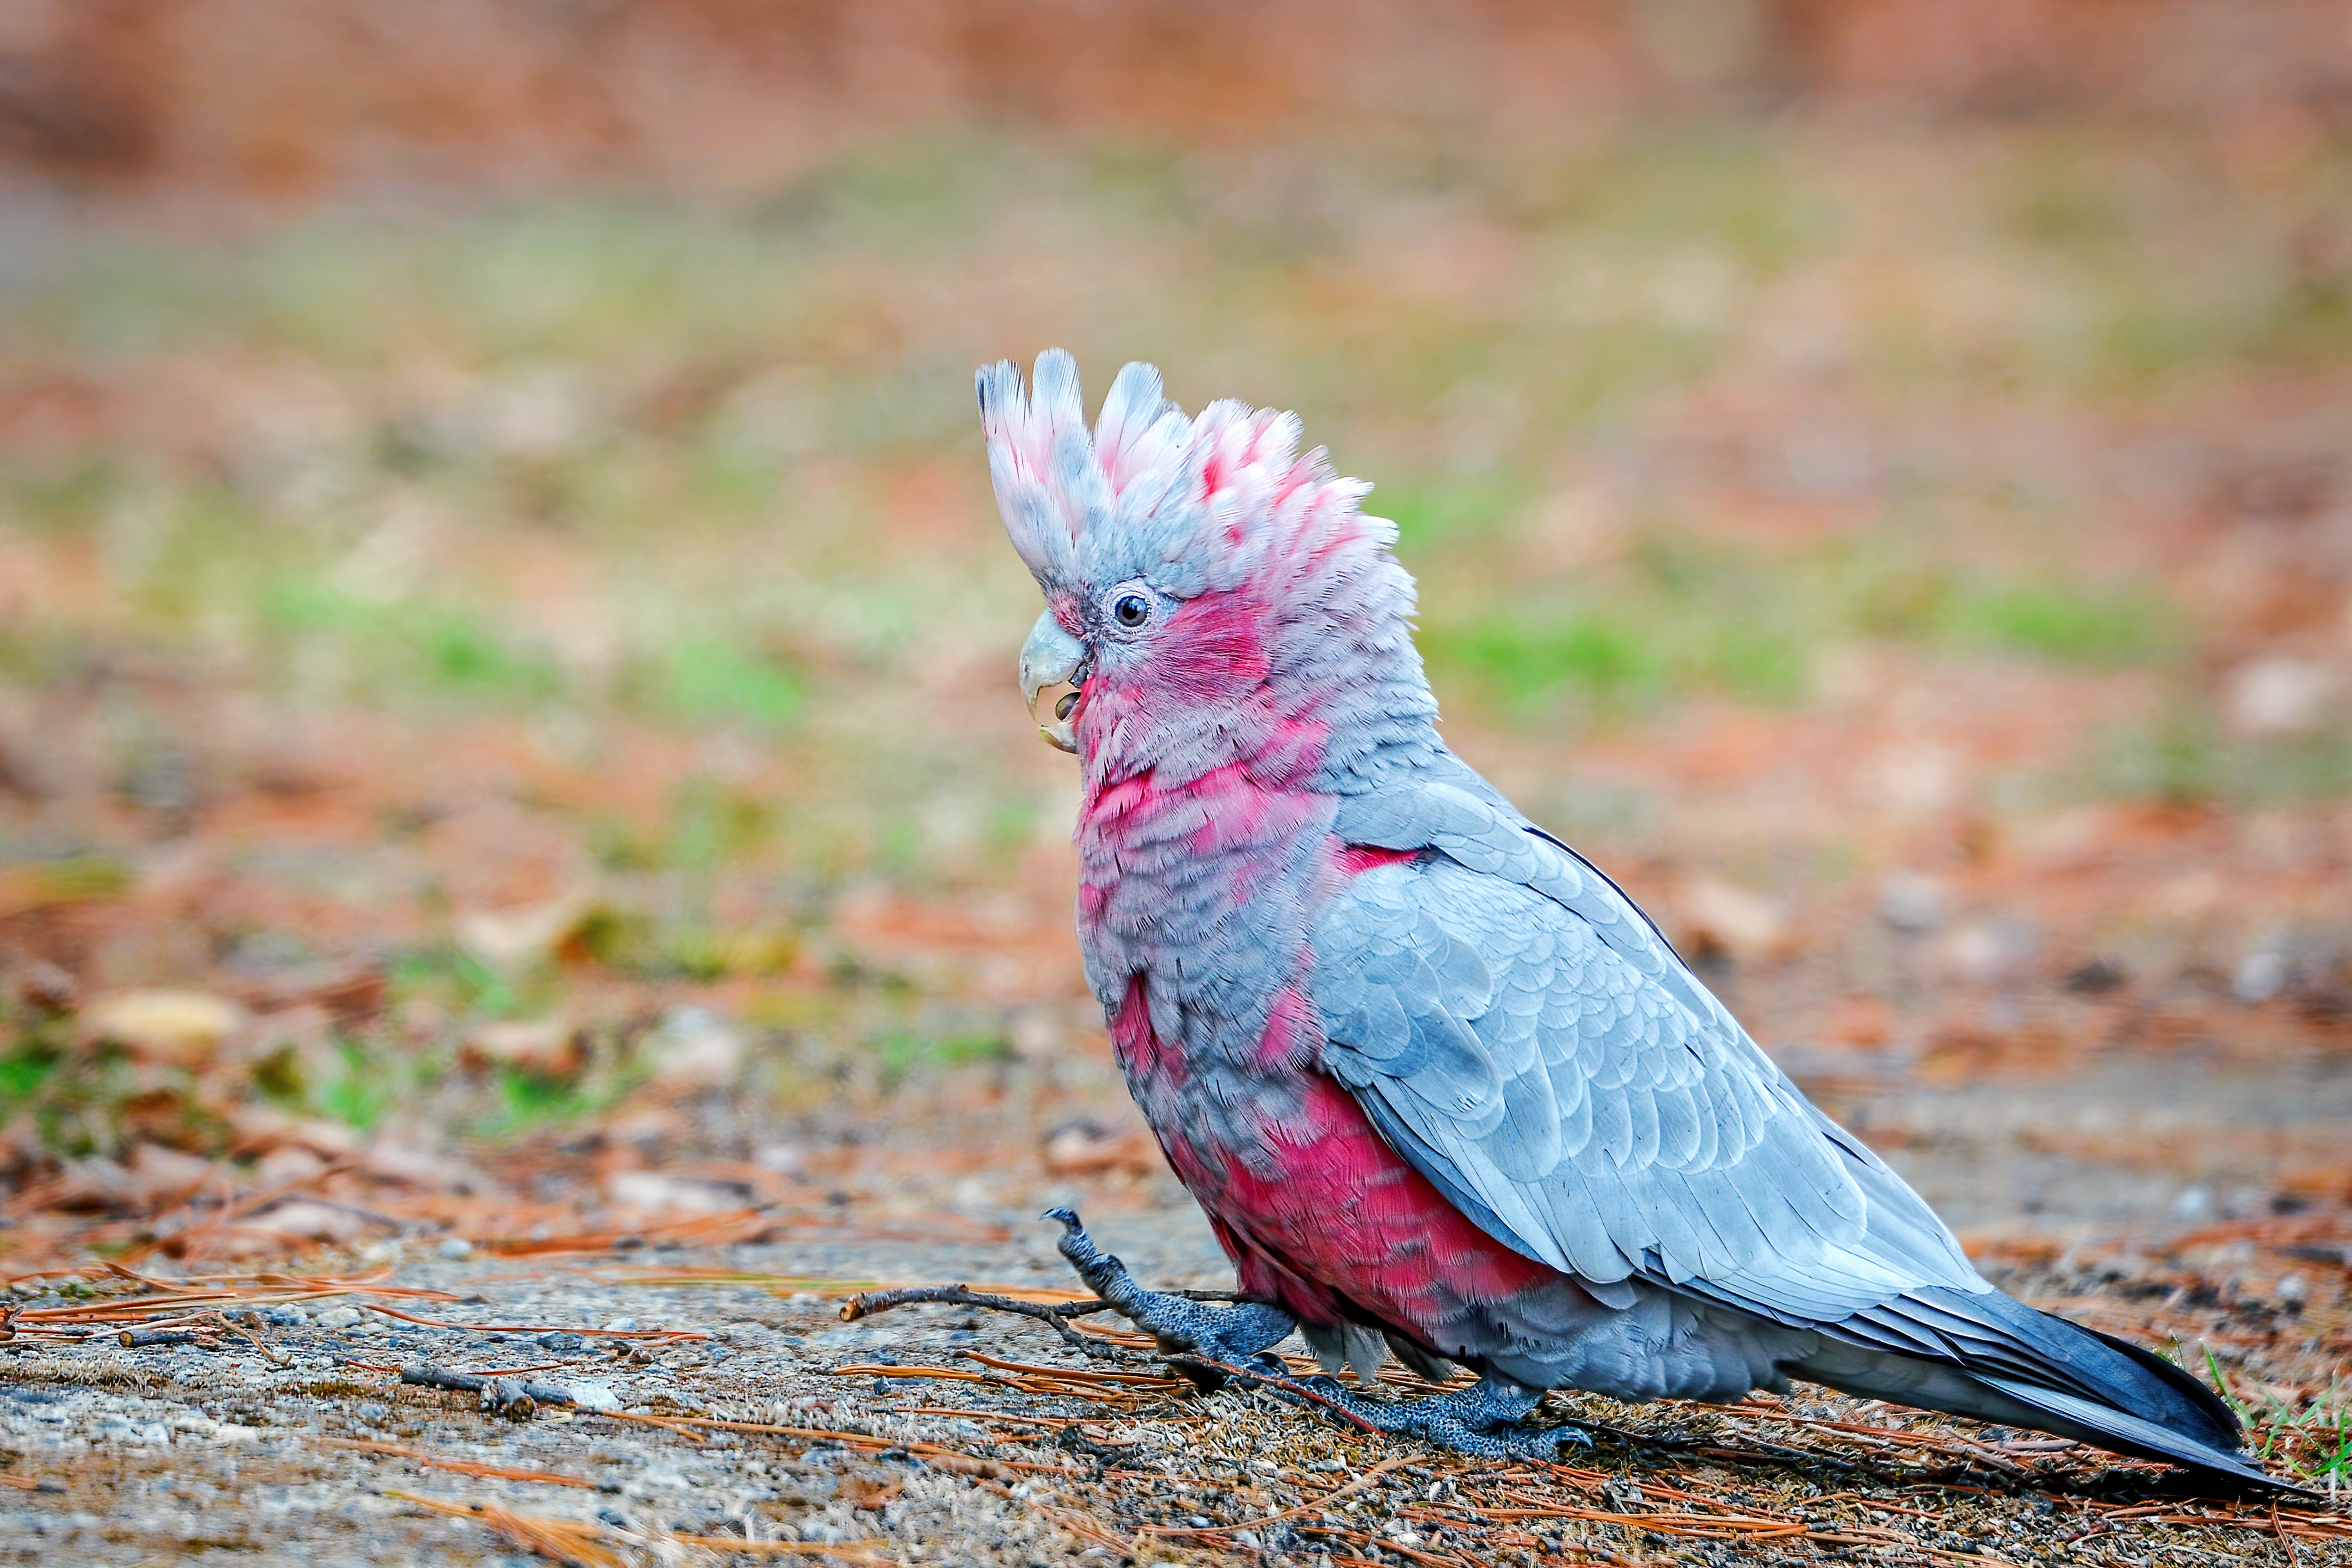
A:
[1212, 647]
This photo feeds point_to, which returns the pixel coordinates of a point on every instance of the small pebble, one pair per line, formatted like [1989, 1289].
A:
[620, 1325]
[456, 1248]
[594, 1396]
[339, 1317]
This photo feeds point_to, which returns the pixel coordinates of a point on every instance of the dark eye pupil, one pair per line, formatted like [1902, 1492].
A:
[1130, 610]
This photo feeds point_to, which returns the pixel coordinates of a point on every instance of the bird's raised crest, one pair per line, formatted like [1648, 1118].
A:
[1195, 505]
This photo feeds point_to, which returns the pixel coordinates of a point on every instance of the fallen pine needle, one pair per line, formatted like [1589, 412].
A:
[1367, 1479]
[1076, 1520]
[462, 1467]
[951, 1374]
[665, 1335]
[932, 1453]
[1384, 1543]
[856, 1551]
[561, 1540]
[1151, 1380]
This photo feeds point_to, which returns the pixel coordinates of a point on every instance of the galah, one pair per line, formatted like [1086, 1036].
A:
[1437, 1083]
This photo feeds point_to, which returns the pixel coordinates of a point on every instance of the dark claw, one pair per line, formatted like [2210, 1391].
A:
[1547, 1443]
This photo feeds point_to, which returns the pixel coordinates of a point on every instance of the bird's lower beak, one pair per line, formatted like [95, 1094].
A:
[1052, 657]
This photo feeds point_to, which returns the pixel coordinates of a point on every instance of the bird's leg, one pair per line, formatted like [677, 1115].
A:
[1480, 1421]
[1239, 1335]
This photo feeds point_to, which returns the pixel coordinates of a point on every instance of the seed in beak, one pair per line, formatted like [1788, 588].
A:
[1051, 658]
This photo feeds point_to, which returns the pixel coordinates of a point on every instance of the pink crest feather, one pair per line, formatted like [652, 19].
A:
[1197, 505]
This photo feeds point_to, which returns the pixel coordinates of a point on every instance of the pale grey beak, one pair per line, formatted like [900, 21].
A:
[1051, 656]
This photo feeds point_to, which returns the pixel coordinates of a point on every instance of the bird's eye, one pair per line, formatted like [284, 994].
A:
[1130, 610]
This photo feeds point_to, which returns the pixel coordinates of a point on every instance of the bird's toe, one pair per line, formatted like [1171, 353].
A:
[1548, 1442]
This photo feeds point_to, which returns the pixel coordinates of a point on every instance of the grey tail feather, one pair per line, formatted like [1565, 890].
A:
[2007, 1362]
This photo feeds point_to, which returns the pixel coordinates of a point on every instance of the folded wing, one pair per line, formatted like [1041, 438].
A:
[1524, 1036]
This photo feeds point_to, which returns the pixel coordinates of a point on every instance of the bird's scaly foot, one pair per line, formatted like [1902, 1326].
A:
[1482, 1422]
[1239, 1335]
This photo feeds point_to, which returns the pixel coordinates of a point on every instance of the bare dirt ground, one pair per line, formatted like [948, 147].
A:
[718, 1404]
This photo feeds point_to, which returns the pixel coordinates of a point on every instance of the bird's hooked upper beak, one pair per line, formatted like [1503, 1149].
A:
[1052, 657]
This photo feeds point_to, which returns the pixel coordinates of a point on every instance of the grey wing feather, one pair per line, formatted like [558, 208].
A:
[1523, 1035]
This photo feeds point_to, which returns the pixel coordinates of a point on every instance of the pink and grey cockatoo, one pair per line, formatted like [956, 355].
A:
[1434, 1079]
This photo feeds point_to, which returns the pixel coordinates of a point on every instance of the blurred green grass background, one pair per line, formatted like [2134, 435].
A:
[749, 431]
[1702, 416]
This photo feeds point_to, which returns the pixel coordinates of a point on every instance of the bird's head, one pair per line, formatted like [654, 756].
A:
[1209, 592]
